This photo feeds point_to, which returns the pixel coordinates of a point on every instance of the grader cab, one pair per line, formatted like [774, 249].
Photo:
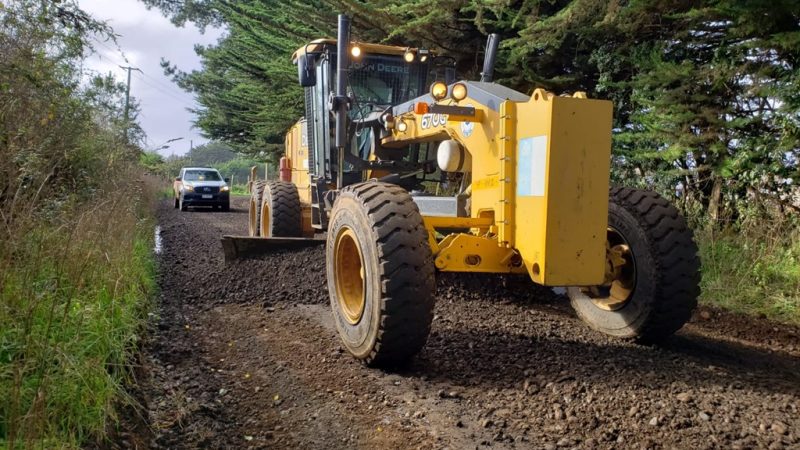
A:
[406, 171]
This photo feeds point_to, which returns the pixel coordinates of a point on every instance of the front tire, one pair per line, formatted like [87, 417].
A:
[656, 278]
[380, 273]
[177, 203]
[182, 205]
[280, 210]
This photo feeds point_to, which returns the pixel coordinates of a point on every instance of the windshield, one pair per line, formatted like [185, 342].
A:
[201, 175]
[383, 80]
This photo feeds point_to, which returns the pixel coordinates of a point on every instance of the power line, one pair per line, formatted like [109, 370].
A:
[159, 85]
[169, 94]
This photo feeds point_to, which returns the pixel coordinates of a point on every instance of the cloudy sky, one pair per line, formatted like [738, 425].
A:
[144, 38]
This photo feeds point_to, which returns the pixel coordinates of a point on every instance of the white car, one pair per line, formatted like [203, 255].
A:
[201, 186]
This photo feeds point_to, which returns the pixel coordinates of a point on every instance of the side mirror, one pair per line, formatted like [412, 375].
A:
[177, 178]
[227, 180]
[305, 70]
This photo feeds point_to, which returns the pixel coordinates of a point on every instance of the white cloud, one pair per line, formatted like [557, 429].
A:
[145, 37]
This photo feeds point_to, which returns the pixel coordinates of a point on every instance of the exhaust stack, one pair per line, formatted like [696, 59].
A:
[489, 58]
[340, 100]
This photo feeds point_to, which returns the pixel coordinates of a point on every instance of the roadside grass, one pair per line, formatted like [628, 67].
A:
[754, 271]
[75, 297]
[239, 189]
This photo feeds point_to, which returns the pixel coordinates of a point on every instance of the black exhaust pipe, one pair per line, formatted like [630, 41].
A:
[489, 58]
[340, 100]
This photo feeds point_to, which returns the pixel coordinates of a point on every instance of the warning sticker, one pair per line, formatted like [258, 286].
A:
[531, 166]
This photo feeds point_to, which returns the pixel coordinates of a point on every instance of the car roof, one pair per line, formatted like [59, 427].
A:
[200, 168]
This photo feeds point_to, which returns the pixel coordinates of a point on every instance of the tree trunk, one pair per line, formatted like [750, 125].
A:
[714, 202]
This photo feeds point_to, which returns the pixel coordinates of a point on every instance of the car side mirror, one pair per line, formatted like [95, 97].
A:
[227, 180]
[305, 70]
[177, 178]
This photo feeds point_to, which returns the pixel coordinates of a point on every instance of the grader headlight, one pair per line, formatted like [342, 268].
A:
[438, 90]
[459, 92]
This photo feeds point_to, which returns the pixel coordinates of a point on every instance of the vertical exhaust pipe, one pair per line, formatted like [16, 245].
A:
[489, 58]
[340, 100]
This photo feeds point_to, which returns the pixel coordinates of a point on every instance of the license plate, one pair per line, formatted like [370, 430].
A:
[208, 196]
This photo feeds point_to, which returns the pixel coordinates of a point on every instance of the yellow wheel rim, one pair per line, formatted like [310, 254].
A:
[252, 222]
[265, 219]
[349, 275]
[620, 275]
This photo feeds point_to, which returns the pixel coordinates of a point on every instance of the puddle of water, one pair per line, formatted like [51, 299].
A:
[158, 246]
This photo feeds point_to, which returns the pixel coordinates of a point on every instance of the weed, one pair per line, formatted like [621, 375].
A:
[753, 271]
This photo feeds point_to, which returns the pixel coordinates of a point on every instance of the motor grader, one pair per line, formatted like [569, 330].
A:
[405, 171]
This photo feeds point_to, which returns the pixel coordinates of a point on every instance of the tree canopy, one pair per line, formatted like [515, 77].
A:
[706, 93]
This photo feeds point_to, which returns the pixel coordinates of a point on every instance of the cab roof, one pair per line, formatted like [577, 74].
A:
[318, 45]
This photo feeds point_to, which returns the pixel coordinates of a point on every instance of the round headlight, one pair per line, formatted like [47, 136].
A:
[459, 91]
[438, 90]
[408, 56]
[402, 126]
[355, 51]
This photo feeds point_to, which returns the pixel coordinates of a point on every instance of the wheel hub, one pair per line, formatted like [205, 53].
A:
[349, 275]
[265, 219]
[620, 277]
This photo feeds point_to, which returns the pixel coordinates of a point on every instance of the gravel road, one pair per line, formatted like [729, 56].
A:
[246, 356]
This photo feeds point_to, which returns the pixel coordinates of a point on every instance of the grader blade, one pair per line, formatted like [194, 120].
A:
[238, 247]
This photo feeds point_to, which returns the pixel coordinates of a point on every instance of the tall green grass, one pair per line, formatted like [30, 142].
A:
[755, 270]
[74, 302]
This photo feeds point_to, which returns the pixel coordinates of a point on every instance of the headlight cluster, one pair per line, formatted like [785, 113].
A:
[439, 91]
[224, 189]
[188, 187]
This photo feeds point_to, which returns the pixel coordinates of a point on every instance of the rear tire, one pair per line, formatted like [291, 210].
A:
[255, 208]
[380, 273]
[664, 289]
[280, 210]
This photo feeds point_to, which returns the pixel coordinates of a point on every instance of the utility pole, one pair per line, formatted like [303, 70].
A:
[128, 97]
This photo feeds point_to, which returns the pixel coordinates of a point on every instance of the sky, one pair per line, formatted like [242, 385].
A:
[144, 37]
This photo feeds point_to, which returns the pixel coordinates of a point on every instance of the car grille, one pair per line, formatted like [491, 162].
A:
[207, 189]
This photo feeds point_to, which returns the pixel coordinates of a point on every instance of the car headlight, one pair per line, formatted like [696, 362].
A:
[188, 187]
[224, 189]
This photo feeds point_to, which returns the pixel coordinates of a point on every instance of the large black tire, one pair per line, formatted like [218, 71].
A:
[182, 205]
[666, 270]
[177, 203]
[280, 210]
[384, 309]
[254, 209]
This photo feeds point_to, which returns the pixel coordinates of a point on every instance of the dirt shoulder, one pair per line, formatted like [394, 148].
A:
[246, 356]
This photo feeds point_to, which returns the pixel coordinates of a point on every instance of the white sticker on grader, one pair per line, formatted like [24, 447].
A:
[532, 166]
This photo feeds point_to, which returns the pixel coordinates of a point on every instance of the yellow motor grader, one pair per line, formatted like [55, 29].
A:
[406, 171]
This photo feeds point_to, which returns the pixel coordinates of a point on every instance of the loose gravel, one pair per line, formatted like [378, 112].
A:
[246, 356]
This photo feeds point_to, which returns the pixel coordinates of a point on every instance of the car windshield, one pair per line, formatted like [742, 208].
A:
[201, 175]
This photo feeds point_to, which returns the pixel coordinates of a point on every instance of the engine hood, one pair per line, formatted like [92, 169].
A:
[205, 183]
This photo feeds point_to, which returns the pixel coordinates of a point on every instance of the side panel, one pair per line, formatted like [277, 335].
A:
[562, 175]
[297, 151]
